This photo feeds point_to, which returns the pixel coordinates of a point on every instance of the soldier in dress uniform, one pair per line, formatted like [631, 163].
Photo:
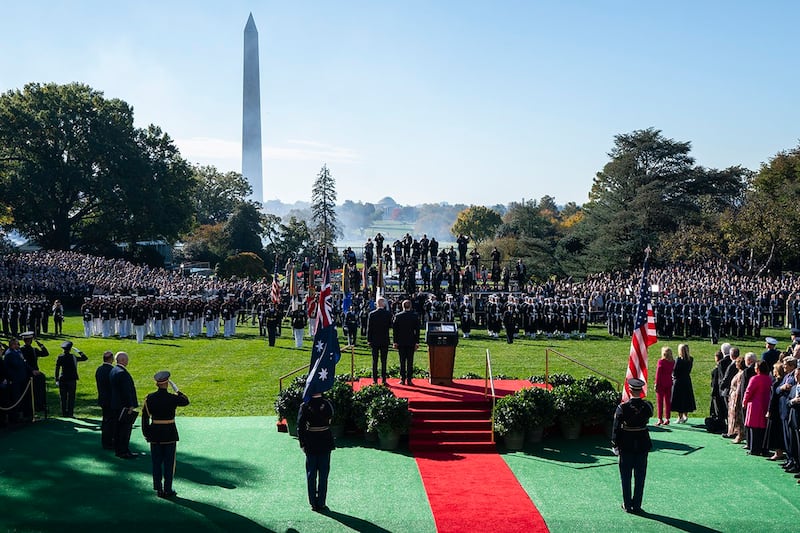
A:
[630, 439]
[67, 377]
[159, 429]
[316, 441]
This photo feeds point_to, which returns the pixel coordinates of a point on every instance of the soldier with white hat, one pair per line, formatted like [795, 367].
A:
[630, 440]
[159, 429]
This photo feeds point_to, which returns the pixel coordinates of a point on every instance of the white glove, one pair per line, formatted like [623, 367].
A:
[615, 450]
[174, 387]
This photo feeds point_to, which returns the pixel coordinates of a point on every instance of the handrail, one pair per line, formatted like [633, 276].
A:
[489, 383]
[568, 358]
[293, 372]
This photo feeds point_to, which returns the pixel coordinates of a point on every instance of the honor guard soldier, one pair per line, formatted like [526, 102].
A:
[159, 429]
[67, 377]
[316, 441]
[630, 440]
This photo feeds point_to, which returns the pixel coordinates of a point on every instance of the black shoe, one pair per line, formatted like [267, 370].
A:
[324, 509]
[728, 435]
[170, 493]
[622, 506]
[793, 470]
[797, 476]
[409, 383]
[127, 455]
[637, 510]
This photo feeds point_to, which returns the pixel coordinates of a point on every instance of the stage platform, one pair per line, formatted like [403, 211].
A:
[461, 390]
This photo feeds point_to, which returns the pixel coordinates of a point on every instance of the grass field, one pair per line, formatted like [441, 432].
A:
[240, 376]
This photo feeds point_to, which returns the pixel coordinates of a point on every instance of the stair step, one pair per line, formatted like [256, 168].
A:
[452, 424]
[444, 414]
[454, 446]
[450, 436]
[450, 405]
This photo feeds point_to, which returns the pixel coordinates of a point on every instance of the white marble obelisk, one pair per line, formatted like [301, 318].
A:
[251, 113]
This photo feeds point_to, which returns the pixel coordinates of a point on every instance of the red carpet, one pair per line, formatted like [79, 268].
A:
[466, 491]
[476, 492]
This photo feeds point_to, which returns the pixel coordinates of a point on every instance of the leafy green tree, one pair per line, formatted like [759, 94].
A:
[243, 230]
[243, 265]
[217, 194]
[477, 222]
[323, 209]
[293, 240]
[650, 186]
[86, 175]
[206, 243]
[764, 232]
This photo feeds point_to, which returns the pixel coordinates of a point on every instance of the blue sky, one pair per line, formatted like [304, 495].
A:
[428, 101]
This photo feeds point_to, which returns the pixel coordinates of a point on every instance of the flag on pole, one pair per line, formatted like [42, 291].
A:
[275, 293]
[325, 352]
[644, 335]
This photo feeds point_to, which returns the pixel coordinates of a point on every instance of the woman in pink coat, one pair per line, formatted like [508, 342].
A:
[756, 401]
[664, 385]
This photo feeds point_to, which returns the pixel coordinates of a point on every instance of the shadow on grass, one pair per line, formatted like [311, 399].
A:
[355, 523]
[59, 465]
[677, 523]
[225, 520]
[583, 453]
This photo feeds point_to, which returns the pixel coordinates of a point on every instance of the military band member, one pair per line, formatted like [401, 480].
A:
[159, 429]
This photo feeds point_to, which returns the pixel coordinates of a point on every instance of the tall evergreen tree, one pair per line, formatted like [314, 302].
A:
[323, 209]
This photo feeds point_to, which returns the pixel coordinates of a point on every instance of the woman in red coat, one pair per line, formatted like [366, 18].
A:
[664, 385]
[756, 401]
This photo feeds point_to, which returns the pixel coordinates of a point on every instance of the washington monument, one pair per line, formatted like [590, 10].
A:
[251, 113]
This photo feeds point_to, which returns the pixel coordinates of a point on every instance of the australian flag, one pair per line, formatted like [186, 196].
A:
[325, 352]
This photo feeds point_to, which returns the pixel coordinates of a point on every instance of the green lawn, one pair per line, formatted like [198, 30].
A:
[240, 376]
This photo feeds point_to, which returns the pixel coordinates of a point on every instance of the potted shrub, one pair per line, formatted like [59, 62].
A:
[341, 396]
[603, 408]
[510, 420]
[287, 405]
[541, 411]
[388, 416]
[573, 406]
[595, 385]
[558, 379]
[362, 400]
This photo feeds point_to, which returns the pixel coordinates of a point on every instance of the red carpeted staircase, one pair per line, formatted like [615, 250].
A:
[460, 426]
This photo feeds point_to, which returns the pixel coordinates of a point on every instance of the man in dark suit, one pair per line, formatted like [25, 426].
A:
[406, 340]
[102, 377]
[161, 432]
[123, 403]
[631, 441]
[378, 324]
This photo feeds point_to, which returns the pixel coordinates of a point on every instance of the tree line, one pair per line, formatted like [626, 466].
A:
[75, 173]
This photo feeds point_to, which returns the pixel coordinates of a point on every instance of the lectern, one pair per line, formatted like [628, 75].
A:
[442, 339]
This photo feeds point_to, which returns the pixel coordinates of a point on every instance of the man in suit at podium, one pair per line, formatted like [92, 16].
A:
[406, 340]
[378, 323]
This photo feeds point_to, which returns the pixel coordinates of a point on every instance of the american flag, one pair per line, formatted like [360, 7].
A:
[325, 352]
[644, 335]
[276, 287]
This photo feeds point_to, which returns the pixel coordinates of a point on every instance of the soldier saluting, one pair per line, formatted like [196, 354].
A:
[159, 429]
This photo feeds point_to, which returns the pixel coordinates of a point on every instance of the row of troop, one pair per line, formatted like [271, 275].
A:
[30, 314]
[704, 319]
[158, 316]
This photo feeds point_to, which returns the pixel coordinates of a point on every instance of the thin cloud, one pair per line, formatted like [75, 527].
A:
[208, 148]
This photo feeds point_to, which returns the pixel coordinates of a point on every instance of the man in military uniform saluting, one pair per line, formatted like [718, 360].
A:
[630, 439]
[159, 429]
